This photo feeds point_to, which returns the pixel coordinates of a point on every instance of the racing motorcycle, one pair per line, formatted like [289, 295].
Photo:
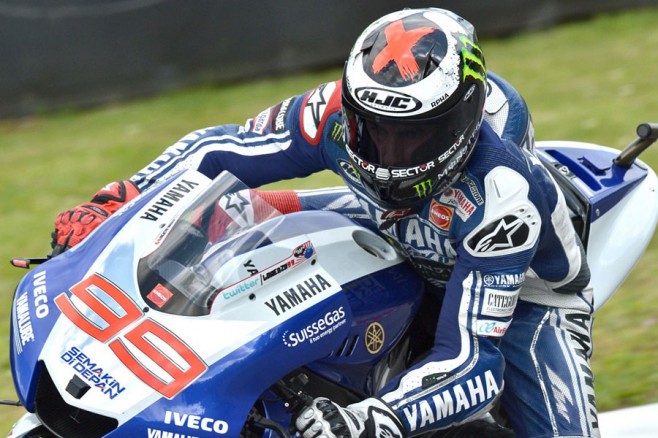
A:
[198, 310]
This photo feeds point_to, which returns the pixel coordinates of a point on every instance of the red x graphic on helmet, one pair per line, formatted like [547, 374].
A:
[398, 49]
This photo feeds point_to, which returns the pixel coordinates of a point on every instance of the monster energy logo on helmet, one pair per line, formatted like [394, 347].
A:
[473, 60]
[423, 188]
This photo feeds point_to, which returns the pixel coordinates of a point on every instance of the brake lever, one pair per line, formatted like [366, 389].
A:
[292, 393]
[26, 263]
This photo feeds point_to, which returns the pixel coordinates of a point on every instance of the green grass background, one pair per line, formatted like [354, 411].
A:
[592, 81]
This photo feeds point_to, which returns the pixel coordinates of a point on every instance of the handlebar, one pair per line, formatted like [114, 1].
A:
[26, 263]
[648, 130]
[647, 134]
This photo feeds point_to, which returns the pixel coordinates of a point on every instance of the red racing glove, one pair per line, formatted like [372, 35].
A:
[72, 226]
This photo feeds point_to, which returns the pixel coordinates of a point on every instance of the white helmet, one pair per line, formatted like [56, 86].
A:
[413, 95]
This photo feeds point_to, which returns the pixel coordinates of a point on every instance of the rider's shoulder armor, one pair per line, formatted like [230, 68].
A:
[507, 113]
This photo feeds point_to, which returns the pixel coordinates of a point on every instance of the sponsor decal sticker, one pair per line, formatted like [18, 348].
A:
[451, 401]
[159, 433]
[506, 233]
[160, 295]
[317, 330]
[298, 294]
[280, 118]
[374, 338]
[160, 206]
[92, 372]
[457, 198]
[24, 332]
[491, 328]
[387, 101]
[393, 215]
[423, 188]
[277, 270]
[123, 330]
[23, 321]
[472, 60]
[473, 188]
[499, 303]
[247, 285]
[259, 123]
[41, 308]
[299, 255]
[504, 280]
[336, 134]
[304, 251]
[250, 267]
[441, 215]
[196, 422]
[348, 171]
[412, 171]
[451, 151]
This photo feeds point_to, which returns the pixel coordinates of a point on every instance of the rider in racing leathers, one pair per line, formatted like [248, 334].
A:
[457, 186]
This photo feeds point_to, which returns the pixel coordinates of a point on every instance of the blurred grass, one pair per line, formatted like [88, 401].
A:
[589, 81]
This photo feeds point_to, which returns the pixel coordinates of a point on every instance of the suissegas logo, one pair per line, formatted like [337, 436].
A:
[317, 330]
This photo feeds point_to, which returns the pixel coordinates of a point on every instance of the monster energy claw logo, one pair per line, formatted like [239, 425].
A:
[473, 60]
[336, 134]
[423, 188]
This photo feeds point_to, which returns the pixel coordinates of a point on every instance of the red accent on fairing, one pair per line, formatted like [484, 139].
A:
[125, 345]
[84, 291]
[181, 374]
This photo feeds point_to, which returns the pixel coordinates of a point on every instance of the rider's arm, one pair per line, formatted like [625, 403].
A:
[276, 144]
[463, 374]
[282, 142]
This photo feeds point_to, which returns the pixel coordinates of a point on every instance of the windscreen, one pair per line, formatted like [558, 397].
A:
[197, 254]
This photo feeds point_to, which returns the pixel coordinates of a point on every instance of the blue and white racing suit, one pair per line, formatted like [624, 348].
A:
[498, 243]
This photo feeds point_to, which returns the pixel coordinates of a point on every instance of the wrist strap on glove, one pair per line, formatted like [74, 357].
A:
[114, 195]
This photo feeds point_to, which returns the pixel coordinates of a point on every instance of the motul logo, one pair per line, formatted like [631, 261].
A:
[387, 100]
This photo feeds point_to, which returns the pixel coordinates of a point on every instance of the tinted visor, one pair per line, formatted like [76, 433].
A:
[404, 161]
[391, 143]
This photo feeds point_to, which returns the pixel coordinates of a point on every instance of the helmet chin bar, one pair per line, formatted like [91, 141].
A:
[399, 188]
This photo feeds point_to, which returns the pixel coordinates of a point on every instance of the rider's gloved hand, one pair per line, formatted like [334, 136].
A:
[371, 418]
[72, 226]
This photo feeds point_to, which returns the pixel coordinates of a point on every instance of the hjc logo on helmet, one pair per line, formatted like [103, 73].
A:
[387, 100]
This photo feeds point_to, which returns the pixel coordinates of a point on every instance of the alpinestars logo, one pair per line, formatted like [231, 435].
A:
[235, 201]
[318, 106]
[317, 102]
[509, 232]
